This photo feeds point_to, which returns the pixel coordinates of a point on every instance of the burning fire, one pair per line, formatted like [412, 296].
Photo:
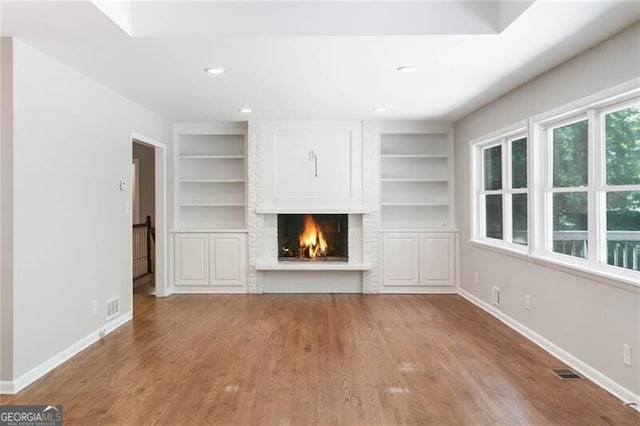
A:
[312, 242]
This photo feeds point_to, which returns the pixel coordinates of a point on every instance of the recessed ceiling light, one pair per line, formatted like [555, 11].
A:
[245, 110]
[379, 109]
[214, 70]
[407, 68]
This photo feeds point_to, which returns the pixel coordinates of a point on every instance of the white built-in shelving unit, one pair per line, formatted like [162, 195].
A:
[210, 233]
[416, 203]
[415, 180]
[211, 177]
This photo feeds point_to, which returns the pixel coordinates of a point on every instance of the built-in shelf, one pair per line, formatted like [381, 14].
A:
[215, 157]
[211, 177]
[211, 181]
[313, 266]
[415, 175]
[212, 204]
[413, 156]
[412, 180]
[207, 231]
[418, 230]
[416, 204]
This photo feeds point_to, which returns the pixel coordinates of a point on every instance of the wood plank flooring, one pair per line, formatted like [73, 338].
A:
[321, 360]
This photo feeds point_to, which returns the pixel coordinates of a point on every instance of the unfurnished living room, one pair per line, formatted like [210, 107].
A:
[320, 212]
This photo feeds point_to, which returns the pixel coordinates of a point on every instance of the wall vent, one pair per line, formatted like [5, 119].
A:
[495, 295]
[566, 374]
[112, 308]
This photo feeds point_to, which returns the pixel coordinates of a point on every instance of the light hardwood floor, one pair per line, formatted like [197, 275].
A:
[318, 359]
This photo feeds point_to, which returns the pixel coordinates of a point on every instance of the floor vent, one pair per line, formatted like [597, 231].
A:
[566, 374]
[113, 308]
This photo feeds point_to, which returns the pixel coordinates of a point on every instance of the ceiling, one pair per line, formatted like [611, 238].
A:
[303, 59]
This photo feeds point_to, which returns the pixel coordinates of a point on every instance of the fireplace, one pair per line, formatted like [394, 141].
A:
[313, 237]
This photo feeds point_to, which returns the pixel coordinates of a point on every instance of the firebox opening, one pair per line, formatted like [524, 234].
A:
[313, 237]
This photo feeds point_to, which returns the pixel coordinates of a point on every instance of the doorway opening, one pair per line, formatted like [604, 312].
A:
[142, 218]
[148, 213]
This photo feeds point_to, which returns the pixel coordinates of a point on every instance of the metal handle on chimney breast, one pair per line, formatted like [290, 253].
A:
[313, 157]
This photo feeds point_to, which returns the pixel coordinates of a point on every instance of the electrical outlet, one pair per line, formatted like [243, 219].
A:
[527, 302]
[95, 307]
[626, 355]
[495, 295]
[475, 279]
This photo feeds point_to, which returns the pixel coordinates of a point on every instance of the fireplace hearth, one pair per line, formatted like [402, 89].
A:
[313, 237]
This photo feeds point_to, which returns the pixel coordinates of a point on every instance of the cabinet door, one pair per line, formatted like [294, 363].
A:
[228, 259]
[192, 259]
[437, 260]
[401, 259]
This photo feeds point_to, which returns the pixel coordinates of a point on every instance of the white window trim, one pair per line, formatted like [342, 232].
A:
[503, 137]
[535, 252]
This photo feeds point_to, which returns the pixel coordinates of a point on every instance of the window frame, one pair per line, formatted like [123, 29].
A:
[503, 138]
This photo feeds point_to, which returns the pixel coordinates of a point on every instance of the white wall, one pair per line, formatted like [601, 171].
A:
[72, 233]
[589, 319]
[6, 213]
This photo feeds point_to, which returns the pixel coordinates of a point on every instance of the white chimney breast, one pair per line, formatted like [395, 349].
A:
[313, 166]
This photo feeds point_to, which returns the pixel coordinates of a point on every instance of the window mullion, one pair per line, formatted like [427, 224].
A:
[535, 164]
[482, 221]
[507, 231]
[595, 221]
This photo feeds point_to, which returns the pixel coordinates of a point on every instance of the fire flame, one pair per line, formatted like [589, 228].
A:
[312, 241]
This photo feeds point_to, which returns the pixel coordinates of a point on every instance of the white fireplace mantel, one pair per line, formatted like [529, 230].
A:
[316, 210]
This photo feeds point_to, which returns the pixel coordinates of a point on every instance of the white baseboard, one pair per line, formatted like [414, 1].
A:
[168, 292]
[34, 374]
[218, 289]
[418, 290]
[580, 366]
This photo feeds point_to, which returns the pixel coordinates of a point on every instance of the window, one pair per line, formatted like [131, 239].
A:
[502, 199]
[570, 170]
[519, 196]
[591, 199]
[622, 186]
[583, 209]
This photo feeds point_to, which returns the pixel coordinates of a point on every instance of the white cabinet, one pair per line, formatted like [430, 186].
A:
[418, 260]
[192, 259]
[228, 264]
[437, 259]
[210, 259]
[401, 259]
